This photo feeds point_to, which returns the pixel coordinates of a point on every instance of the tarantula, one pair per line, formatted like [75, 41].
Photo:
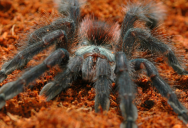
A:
[101, 56]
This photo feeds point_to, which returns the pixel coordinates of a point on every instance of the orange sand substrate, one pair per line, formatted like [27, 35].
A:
[74, 108]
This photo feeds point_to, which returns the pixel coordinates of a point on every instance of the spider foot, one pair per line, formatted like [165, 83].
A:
[3, 71]
[129, 112]
[178, 107]
[3, 76]
[2, 100]
[177, 68]
[184, 72]
[103, 101]
[10, 90]
[62, 80]
[184, 118]
[128, 124]
[51, 90]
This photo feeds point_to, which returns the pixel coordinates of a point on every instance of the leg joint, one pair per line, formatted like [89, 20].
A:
[50, 37]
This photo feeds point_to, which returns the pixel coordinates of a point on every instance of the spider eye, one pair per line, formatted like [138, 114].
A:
[85, 43]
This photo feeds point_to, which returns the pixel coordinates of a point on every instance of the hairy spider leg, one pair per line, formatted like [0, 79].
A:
[102, 85]
[60, 32]
[65, 24]
[63, 80]
[153, 44]
[38, 41]
[9, 90]
[70, 9]
[149, 14]
[21, 59]
[126, 91]
[163, 88]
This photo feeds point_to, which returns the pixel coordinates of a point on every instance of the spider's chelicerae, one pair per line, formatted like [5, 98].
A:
[102, 56]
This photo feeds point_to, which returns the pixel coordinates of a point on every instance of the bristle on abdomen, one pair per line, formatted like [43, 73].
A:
[98, 32]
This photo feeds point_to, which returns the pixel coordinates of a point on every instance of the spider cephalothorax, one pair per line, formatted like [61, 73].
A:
[100, 57]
